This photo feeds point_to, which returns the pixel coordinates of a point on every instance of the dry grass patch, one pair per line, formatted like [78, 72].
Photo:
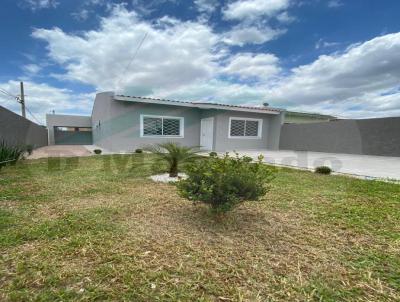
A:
[118, 236]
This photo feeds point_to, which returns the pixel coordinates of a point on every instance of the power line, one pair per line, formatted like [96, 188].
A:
[34, 117]
[19, 100]
[7, 93]
[6, 97]
[133, 57]
[27, 109]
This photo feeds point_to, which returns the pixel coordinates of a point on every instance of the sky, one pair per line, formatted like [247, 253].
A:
[338, 57]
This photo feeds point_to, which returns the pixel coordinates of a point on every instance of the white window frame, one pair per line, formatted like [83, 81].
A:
[259, 132]
[181, 126]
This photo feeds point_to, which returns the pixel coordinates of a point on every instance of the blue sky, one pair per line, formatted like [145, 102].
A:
[330, 56]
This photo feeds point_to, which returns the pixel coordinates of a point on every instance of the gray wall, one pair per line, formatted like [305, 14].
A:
[17, 130]
[116, 124]
[54, 120]
[269, 137]
[380, 136]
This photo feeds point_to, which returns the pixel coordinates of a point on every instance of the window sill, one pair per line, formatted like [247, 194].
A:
[160, 136]
[244, 137]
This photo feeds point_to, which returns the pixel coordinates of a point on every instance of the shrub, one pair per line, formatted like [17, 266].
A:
[173, 154]
[10, 154]
[213, 154]
[138, 151]
[225, 182]
[29, 149]
[97, 151]
[323, 170]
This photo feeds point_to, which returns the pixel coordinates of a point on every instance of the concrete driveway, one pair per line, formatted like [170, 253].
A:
[364, 166]
[60, 151]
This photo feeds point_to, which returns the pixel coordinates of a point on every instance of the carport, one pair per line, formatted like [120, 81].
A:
[69, 129]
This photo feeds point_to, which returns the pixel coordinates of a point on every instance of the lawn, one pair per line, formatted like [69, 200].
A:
[96, 228]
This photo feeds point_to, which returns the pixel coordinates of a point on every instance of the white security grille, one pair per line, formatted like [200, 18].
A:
[152, 126]
[244, 128]
[251, 128]
[161, 126]
[171, 126]
[237, 127]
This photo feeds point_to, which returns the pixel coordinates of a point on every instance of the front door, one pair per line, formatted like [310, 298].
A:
[207, 133]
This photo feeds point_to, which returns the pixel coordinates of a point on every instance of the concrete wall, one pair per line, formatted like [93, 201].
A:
[17, 130]
[379, 136]
[60, 120]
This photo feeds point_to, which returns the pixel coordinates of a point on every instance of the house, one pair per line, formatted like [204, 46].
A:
[123, 123]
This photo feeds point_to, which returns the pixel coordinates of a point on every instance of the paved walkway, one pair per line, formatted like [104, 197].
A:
[60, 151]
[365, 166]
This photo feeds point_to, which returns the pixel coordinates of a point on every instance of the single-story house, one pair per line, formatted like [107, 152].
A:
[124, 123]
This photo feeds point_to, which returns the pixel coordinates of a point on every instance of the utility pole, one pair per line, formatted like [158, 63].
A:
[22, 100]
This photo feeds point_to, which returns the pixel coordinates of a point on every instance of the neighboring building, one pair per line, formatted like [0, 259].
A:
[124, 123]
[292, 117]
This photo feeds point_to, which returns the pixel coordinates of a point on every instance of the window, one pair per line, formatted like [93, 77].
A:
[244, 127]
[156, 126]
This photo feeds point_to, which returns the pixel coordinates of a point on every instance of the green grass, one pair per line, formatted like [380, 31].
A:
[95, 228]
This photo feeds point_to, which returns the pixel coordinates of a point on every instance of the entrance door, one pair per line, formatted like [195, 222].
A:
[207, 133]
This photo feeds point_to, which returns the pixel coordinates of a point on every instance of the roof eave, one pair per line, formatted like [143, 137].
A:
[194, 105]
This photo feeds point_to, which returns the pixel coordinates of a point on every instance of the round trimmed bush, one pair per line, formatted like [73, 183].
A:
[323, 170]
[223, 183]
[97, 151]
[138, 151]
[213, 154]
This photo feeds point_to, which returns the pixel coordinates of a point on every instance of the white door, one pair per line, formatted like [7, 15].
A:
[207, 133]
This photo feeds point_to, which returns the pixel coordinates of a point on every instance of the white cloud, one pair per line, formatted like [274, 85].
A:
[357, 80]
[188, 60]
[218, 91]
[241, 35]
[247, 65]
[206, 6]
[86, 8]
[253, 9]
[81, 15]
[335, 3]
[39, 4]
[361, 82]
[41, 98]
[32, 68]
[254, 18]
[174, 53]
[285, 18]
[321, 43]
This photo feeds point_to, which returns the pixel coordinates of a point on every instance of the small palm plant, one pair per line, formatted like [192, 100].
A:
[173, 154]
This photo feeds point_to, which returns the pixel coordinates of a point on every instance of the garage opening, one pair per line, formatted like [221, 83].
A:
[72, 135]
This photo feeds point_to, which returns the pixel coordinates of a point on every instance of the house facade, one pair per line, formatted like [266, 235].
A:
[123, 123]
